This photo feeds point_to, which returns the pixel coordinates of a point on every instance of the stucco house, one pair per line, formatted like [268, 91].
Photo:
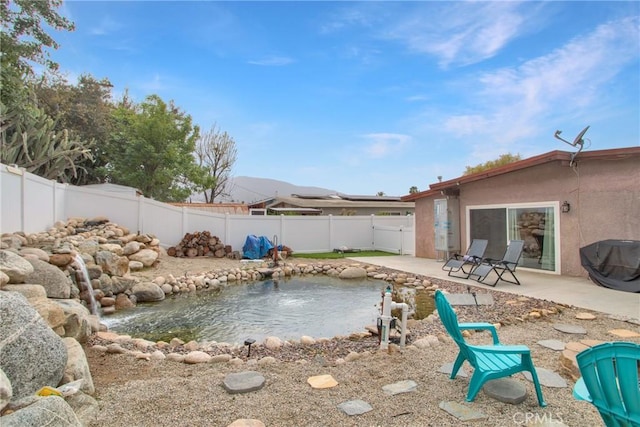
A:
[556, 202]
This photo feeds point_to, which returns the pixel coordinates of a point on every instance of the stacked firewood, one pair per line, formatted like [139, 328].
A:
[200, 243]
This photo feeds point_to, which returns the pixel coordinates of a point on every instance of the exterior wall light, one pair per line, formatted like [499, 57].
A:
[566, 207]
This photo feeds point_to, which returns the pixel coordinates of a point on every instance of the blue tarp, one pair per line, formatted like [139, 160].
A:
[256, 247]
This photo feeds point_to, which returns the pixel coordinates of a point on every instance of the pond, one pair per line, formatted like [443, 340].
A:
[317, 306]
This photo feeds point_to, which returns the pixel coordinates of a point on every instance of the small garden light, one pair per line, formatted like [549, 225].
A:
[248, 343]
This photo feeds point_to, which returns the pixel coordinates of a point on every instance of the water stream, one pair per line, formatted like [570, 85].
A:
[93, 305]
[317, 306]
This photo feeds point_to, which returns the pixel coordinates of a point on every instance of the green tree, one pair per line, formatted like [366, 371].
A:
[23, 38]
[500, 161]
[151, 148]
[380, 193]
[413, 189]
[216, 152]
[29, 137]
[85, 109]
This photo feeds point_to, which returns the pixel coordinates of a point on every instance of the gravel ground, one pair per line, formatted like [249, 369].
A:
[135, 392]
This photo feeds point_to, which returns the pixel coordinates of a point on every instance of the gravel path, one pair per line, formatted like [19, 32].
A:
[136, 392]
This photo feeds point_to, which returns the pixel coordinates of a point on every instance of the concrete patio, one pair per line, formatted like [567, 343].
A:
[576, 291]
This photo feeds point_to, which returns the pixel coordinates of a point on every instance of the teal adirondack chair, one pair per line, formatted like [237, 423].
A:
[489, 362]
[610, 382]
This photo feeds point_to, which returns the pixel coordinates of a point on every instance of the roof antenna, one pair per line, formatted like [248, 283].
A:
[577, 141]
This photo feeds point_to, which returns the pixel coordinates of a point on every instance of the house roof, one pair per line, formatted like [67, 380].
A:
[339, 203]
[222, 208]
[564, 157]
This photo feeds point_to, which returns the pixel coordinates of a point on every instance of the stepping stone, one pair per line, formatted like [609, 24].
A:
[576, 347]
[243, 382]
[547, 378]
[400, 387]
[461, 412]
[506, 390]
[355, 407]
[552, 344]
[569, 329]
[585, 316]
[632, 320]
[246, 422]
[467, 299]
[447, 368]
[322, 381]
[624, 333]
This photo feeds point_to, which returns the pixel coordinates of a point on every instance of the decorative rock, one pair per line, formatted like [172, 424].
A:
[322, 381]
[353, 273]
[447, 368]
[547, 378]
[462, 412]
[400, 387]
[51, 278]
[569, 365]
[246, 422]
[273, 343]
[42, 412]
[306, 340]
[624, 333]
[14, 266]
[243, 382]
[552, 344]
[426, 342]
[77, 366]
[355, 407]
[84, 406]
[31, 354]
[6, 392]
[506, 390]
[147, 292]
[220, 358]
[569, 329]
[585, 316]
[146, 256]
[197, 357]
[267, 360]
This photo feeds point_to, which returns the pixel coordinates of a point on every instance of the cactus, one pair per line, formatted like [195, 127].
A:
[29, 140]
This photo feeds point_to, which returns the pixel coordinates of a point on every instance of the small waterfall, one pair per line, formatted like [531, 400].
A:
[93, 305]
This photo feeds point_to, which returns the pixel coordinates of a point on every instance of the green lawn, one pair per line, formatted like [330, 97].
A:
[337, 255]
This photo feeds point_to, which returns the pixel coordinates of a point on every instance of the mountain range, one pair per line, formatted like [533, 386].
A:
[249, 189]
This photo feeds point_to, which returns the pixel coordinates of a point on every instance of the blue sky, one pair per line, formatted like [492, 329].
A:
[362, 97]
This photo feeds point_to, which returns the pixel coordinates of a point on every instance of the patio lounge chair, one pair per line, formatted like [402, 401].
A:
[610, 382]
[507, 264]
[472, 258]
[488, 361]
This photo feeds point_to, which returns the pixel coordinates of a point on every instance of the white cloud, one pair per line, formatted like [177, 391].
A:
[385, 144]
[106, 27]
[272, 61]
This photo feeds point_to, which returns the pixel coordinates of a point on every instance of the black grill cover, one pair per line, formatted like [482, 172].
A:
[614, 264]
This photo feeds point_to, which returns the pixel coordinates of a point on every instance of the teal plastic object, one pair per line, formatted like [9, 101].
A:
[490, 362]
[610, 382]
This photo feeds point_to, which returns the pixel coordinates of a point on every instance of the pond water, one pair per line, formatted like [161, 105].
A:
[317, 306]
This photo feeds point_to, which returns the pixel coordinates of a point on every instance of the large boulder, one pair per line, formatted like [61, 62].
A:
[116, 285]
[31, 354]
[14, 266]
[45, 411]
[147, 292]
[112, 264]
[5, 390]
[353, 273]
[78, 323]
[54, 281]
[146, 256]
[77, 366]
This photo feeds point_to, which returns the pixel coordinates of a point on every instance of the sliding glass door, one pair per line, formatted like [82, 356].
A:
[535, 224]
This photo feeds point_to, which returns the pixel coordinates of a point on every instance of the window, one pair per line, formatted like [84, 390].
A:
[535, 224]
